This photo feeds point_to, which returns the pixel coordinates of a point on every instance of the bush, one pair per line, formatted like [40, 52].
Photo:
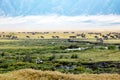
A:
[27, 58]
[2, 60]
[80, 69]
[52, 57]
[61, 56]
[74, 56]
[63, 47]
[73, 46]
[119, 47]
[2, 54]
[111, 47]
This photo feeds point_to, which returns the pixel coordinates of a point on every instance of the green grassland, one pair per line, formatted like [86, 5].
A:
[22, 53]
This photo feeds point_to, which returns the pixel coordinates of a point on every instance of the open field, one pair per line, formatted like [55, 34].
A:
[76, 53]
[20, 54]
[107, 37]
[30, 74]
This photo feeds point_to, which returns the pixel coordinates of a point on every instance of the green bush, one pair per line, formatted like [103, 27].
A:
[80, 69]
[51, 58]
[73, 46]
[111, 47]
[74, 56]
[27, 58]
[2, 54]
[63, 47]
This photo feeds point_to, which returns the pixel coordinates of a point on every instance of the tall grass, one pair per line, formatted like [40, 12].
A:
[29, 74]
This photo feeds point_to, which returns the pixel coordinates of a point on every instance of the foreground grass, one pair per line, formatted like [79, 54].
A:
[29, 74]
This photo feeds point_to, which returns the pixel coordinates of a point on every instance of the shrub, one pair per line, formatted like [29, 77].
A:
[2, 54]
[73, 46]
[119, 47]
[63, 47]
[61, 56]
[80, 69]
[111, 47]
[52, 57]
[74, 56]
[27, 58]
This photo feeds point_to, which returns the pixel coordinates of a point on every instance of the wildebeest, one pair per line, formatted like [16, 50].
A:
[27, 36]
[55, 37]
[73, 37]
[105, 37]
[83, 35]
[42, 37]
[100, 40]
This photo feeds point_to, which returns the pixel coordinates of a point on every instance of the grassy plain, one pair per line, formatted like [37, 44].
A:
[22, 53]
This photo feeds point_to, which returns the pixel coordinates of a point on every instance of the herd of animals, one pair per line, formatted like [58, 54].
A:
[100, 36]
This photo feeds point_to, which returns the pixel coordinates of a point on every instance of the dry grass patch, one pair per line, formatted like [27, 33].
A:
[29, 74]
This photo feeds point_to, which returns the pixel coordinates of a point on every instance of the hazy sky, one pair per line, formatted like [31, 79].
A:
[50, 15]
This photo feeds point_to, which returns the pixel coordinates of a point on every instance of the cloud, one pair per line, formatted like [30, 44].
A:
[55, 22]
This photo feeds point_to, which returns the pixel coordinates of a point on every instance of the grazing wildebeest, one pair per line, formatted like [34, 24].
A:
[66, 32]
[117, 36]
[73, 37]
[112, 37]
[83, 35]
[54, 32]
[42, 37]
[100, 40]
[53, 37]
[27, 36]
[96, 37]
[46, 32]
[72, 32]
[14, 37]
[57, 37]
[4, 36]
[105, 37]
[78, 35]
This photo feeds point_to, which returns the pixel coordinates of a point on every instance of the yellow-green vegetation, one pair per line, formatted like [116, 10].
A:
[6, 40]
[108, 37]
[55, 56]
[93, 56]
[29, 74]
[112, 41]
[71, 52]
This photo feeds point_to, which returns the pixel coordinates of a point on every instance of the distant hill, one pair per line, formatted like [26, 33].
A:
[29, 74]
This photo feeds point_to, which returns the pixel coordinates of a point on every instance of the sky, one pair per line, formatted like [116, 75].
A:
[59, 15]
